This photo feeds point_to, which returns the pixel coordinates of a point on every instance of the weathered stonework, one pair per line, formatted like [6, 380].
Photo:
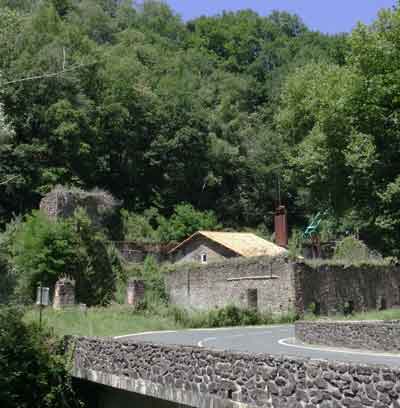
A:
[368, 335]
[136, 252]
[235, 282]
[100, 206]
[333, 288]
[64, 293]
[207, 378]
[134, 292]
[284, 286]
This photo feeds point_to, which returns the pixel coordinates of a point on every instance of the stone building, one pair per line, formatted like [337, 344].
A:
[209, 246]
[277, 285]
[261, 283]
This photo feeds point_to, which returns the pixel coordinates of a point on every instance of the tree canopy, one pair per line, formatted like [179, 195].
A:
[210, 112]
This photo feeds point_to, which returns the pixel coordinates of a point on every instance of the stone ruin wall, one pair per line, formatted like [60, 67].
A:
[100, 206]
[134, 292]
[64, 293]
[234, 281]
[208, 378]
[335, 288]
[284, 286]
[136, 252]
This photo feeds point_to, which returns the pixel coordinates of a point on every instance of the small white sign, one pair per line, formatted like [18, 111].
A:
[42, 296]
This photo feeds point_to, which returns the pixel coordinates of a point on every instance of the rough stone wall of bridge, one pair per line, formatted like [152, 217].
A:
[366, 335]
[203, 378]
[229, 282]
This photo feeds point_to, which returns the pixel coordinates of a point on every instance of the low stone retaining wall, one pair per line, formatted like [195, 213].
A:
[369, 335]
[208, 378]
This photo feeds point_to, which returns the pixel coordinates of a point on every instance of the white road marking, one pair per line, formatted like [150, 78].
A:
[145, 333]
[201, 342]
[284, 342]
[238, 328]
[205, 330]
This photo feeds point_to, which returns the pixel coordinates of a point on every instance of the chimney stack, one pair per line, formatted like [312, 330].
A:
[281, 227]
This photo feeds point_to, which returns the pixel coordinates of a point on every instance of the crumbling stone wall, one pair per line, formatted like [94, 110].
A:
[285, 286]
[100, 206]
[335, 288]
[64, 293]
[203, 378]
[234, 281]
[367, 335]
[136, 252]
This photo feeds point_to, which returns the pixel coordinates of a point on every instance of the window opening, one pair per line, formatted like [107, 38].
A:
[252, 298]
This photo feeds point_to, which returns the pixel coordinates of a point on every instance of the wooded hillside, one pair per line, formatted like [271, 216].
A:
[210, 112]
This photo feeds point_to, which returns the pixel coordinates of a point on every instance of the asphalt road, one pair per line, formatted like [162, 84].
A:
[275, 340]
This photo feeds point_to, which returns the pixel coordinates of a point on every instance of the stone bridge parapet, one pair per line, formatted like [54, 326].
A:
[367, 335]
[203, 378]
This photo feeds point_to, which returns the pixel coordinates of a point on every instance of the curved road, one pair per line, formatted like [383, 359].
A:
[269, 339]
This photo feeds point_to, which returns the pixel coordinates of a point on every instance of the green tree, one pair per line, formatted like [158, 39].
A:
[185, 221]
[33, 367]
[42, 250]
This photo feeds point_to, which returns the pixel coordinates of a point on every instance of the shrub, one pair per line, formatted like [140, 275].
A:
[353, 250]
[95, 283]
[228, 316]
[155, 294]
[141, 227]
[33, 369]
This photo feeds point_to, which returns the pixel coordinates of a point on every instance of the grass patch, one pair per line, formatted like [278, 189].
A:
[389, 314]
[100, 321]
[119, 320]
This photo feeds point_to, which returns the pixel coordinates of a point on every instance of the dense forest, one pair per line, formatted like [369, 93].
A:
[214, 112]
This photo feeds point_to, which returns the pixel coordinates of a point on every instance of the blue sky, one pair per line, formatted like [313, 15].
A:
[328, 16]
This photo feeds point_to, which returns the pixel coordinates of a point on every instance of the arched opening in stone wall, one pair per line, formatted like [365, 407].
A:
[230, 394]
[383, 304]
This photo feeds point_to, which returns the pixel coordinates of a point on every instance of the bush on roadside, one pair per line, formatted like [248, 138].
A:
[228, 316]
[33, 366]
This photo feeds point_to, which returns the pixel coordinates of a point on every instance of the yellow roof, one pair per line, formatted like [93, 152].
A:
[243, 243]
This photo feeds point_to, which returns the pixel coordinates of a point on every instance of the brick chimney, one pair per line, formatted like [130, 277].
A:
[281, 226]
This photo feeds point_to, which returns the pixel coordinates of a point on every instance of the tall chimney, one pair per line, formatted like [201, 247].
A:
[281, 226]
